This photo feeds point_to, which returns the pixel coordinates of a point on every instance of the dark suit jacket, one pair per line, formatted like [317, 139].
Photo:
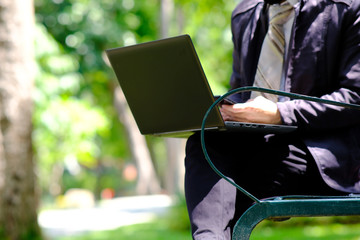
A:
[323, 61]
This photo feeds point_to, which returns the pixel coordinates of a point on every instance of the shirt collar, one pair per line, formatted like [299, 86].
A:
[293, 2]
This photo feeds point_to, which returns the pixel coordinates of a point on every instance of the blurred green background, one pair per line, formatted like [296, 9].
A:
[78, 137]
[81, 142]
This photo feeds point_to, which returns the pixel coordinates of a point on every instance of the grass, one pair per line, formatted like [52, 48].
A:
[291, 230]
[146, 231]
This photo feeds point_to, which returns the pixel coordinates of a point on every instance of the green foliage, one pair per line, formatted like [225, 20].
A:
[177, 218]
[75, 125]
[208, 23]
[88, 27]
[66, 127]
[33, 232]
[2, 233]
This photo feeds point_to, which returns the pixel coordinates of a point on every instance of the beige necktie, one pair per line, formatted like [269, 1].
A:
[270, 64]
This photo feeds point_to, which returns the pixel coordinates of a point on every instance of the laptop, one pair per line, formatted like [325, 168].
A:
[167, 90]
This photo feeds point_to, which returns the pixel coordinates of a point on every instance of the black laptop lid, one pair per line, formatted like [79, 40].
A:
[164, 85]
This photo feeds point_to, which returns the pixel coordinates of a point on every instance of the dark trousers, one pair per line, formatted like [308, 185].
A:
[266, 166]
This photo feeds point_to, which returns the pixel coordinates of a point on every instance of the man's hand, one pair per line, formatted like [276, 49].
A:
[258, 110]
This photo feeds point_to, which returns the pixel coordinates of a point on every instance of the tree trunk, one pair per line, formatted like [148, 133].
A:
[167, 10]
[147, 179]
[19, 198]
[174, 177]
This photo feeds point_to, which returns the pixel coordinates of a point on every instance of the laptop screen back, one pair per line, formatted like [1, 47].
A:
[164, 85]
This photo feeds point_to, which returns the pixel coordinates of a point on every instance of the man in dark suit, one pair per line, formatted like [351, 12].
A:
[310, 47]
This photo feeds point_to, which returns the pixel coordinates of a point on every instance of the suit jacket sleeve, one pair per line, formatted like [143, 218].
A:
[310, 115]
